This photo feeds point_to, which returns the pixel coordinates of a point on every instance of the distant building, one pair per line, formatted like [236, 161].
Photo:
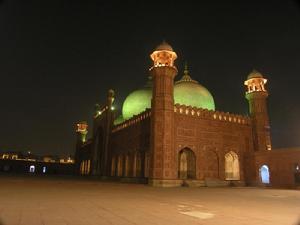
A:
[169, 134]
[18, 162]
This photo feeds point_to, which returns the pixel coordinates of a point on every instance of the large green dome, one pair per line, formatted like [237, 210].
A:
[186, 92]
[189, 92]
[137, 102]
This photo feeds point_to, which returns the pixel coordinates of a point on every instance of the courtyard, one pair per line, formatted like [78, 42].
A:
[72, 201]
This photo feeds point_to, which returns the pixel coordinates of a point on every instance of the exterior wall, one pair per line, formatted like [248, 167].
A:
[129, 147]
[282, 166]
[210, 135]
[84, 160]
[102, 126]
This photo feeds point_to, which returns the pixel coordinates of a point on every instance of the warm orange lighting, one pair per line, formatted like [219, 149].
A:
[256, 84]
[163, 55]
[82, 127]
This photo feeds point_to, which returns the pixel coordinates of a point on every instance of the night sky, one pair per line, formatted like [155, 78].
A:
[59, 58]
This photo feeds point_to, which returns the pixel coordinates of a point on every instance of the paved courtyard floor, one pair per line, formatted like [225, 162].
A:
[57, 201]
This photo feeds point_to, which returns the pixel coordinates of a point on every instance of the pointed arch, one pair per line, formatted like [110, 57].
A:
[264, 174]
[127, 166]
[186, 164]
[147, 164]
[232, 166]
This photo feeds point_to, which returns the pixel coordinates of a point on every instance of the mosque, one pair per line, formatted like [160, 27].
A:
[170, 134]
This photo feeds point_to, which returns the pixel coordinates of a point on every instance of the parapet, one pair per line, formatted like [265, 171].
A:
[211, 114]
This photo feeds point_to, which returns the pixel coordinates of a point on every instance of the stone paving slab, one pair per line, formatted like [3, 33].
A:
[56, 201]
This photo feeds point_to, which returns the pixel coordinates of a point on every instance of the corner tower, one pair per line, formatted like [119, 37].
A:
[256, 95]
[81, 132]
[163, 158]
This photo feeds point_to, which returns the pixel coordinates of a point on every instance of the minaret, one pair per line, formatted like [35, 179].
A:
[81, 131]
[163, 159]
[256, 95]
[103, 122]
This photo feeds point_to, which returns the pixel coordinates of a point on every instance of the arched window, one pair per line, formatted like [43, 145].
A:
[88, 167]
[82, 167]
[232, 167]
[264, 174]
[44, 169]
[32, 169]
[187, 164]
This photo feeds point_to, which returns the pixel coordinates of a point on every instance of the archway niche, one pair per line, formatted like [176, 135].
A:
[127, 166]
[113, 166]
[264, 174]
[138, 164]
[120, 166]
[186, 164]
[147, 165]
[297, 174]
[232, 166]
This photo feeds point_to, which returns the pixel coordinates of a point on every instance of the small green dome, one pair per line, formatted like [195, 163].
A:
[137, 102]
[190, 93]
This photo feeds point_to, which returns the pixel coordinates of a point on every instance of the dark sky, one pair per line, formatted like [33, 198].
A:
[59, 58]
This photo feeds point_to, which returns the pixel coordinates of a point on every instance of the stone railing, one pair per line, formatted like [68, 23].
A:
[134, 120]
[212, 115]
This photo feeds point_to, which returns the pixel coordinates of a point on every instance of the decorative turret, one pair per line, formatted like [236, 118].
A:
[255, 82]
[256, 94]
[81, 130]
[163, 55]
[163, 71]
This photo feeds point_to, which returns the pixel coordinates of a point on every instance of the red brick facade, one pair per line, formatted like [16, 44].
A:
[174, 145]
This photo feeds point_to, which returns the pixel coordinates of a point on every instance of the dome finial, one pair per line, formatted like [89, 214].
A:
[186, 76]
[186, 70]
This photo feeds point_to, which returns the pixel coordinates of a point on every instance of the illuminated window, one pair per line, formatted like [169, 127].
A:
[264, 174]
[44, 169]
[32, 169]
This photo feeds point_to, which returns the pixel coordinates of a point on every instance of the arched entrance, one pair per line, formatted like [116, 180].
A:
[186, 164]
[264, 174]
[232, 167]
